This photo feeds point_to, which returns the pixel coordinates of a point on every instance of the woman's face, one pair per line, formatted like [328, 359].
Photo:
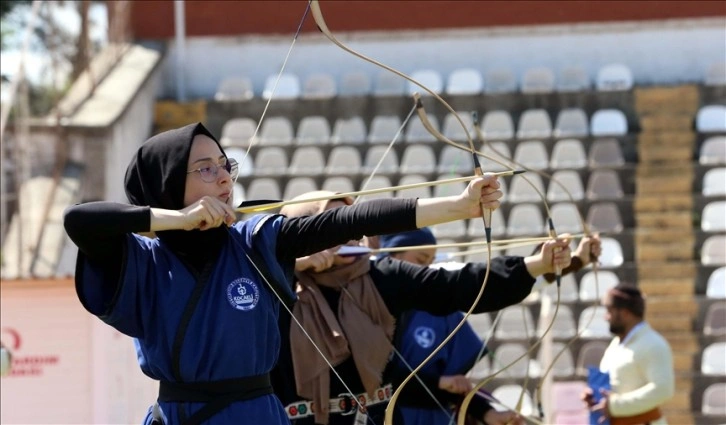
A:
[206, 160]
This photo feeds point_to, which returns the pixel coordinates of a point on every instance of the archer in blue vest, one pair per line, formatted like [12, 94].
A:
[202, 295]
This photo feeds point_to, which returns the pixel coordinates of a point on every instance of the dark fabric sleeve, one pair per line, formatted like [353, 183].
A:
[405, 286]
[301, 236]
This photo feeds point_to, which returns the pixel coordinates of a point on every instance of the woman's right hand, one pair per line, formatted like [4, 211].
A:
[207, 213]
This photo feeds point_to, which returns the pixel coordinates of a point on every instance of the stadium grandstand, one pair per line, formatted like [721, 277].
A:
[617, 109]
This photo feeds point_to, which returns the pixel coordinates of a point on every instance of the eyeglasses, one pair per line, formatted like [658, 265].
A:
[209, 174]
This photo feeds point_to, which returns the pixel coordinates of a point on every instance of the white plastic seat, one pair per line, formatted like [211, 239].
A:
[238, 132]
[271, 161]
[714, 182]
[604, 184]
[713, 361]
[713, 251]
[716, 285]
[418, 159]
[538, 80]
[513, 322]
[416, 133]
[608, 122]
[714, 323]
[454, 160]
[595, 284]
[568, 153]
[572, 186]
[264, 188]
[234, 89]
[349, 130]
[307, 161]
[713, 151]
[340, 184]
[299, 185]
[377, 182]
[373, 157]
[500, 81]
[532, 154]
[419, 192]
[573, 79]
[713, 217]
[566, 217]
[519, 251]
[506, 353]
[525, 220]
[465, 81]
[429, 78]
[453, 130]
[343, 160]
[568, 290]
[238, 193]
[571, 122]
[510, 394]
[246, 166]
[355, 83]
[711, 119]
[614, 77]
[288, 87]
[713, 401]
[497, 125]
[596, 326]
[605, 217]
[499, 151]
[526, 189]
[388, 84]
[606, 153]
[565, 364]
[563, 326]
[313, 130]
[384, 129]
[534, 123]
[475, 229]
[480, 370]
[276, 131]
[715, 74]
[612, 253]
[481, 324]
[451, 189]
[452, 229]
[319, 86]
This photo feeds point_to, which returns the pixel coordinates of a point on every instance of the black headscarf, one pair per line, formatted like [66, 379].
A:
[156, 177]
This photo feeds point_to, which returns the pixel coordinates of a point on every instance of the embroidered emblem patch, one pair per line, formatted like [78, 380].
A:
[424, 336]
[243, 294]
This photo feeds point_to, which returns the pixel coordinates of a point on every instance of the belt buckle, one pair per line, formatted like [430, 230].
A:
[348, 404]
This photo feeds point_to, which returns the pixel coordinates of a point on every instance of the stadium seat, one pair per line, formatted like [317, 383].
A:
[605, 217]
[510, 394]
[299, 185]
[568, 289]
[475, 229]
[606, 153]
[271, 161]
[338, 184]
[418, 159]
[525, 220]
[343, 160]
[713, 251]
[612, 253]
[590, 354]
[497, 125]
[604, 184]
[416, 132]
[376, 182]
[452, 189]
[481, 324]
[264, 188]
[238, 193]
[313, 130]
[453, 130]
[373, 157]
[500, 152]
[519, 251]
[464, 81]
[571, 122]
[714, 400]
[713, 151]
[454, 160]
[713, 361]
[384, 128]
[480, 370]
[427, 77]
[288, 87]
[608, 122]
[595, 326]
[715, 321]
[573, 79]
[349, 131]
[319, 86]
[419, 192]
[307, 161]
[565, 365]
[500, 81]
[246, 165]
[563, 326]
[595, 284]
[234, 89]
[572, 187]
[714, 182]
[526, 188]
[355, 83]
[506, 353]
[532, 154]
[614, 77]
[716, 285]
[276, 131]
[566, 218]
[568, 153]
[513, 322]
[538, 80]
[534, 123]
[711, 119]
[238, 132]
[713, 217]
[716, 74]
[389, 84]
[452, 229]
